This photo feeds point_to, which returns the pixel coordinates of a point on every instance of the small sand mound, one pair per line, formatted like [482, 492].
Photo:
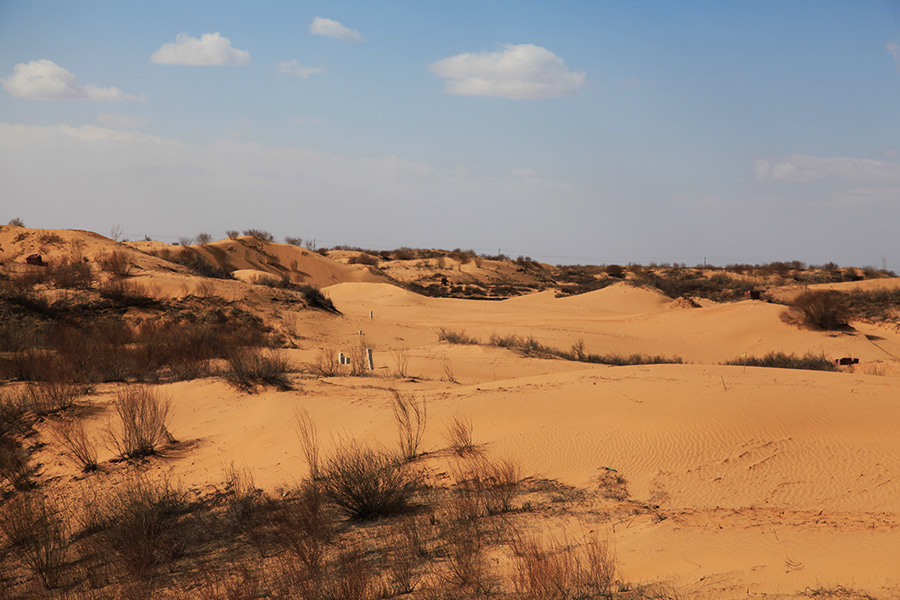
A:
[683, 303]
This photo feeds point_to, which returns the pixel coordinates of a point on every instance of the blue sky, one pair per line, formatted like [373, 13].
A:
[567, 131]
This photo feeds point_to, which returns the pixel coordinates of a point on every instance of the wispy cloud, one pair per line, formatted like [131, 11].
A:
[119, 121]
[292, 68]
[211, 49]
[798, 167]
[894, 50]
[515, 71]
[46, 80]
[332, 28]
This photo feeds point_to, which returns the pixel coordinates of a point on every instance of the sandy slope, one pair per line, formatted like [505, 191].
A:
[743, 480]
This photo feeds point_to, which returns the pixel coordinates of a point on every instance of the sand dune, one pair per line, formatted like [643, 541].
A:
[739, 480]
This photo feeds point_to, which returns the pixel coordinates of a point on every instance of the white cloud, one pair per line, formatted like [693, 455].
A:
[293, 69]
[46, 80]
[332, 28]
[112, 121]
[894, 50]
[813, 168]
[210, 50]
[516, 71]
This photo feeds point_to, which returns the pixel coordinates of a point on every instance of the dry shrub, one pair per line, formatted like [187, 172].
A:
[411, 418]
[359, 362]
[71, 274]
[326, 363]
[125, 292]
[308, 436]
[249, 367]
[363, 483]
[39, 533]
[302, 525]
[14, 466]
[242, 495]
[116, 263]
[467, 570]
[456, 337]
[81, 450]
[49, 397]
[447, 366]
[143, 413]
[407, 554]
[562, 572]
[137, 523]
[491, 484]
[824, 310]
[458, 434]
[401, 362]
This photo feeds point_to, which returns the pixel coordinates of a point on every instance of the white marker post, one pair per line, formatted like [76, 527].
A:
[369, 358]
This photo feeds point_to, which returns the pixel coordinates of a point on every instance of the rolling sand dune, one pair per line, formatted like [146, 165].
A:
[740, 481]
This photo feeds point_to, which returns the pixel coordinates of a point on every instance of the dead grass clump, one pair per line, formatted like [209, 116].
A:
[308, 436]
[411, 418]
[458, 434]
[823, 310]
[81, 450]
[249, 367]
[363, 483]
[456, 337]
[781, 360]
[39, 533]
[143, 413]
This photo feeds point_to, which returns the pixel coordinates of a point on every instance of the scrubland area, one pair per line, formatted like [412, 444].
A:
[175, 422]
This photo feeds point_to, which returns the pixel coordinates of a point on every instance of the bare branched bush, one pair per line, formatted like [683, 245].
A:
[303, 526]
[494, 482]
[260, 234]
[563, 571]
[411, 418]
[249, 367]
[81, 450]
[359, 362]
[137, 524]
[825, 310]
[143, 413]
[116, 263]
[458, 434]
[243, 496]
[468, 571]
[407, 555]
[363, 483]
[326, 363]
[39, 533]
[308, 435]
[49, 397]
[401, 362]
[456, 337]
[293, 241]
[14, 466]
